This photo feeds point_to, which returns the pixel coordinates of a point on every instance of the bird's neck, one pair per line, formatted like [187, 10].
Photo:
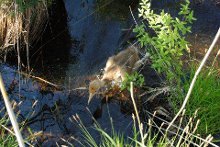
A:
[105, 82]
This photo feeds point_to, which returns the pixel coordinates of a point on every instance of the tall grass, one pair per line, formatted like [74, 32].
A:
[7, 135]
[198, 71]
[181, 134]
[11, 114]
[6, 138]
[178, 137]
[19, 29]
[202, 88]
[204, 97]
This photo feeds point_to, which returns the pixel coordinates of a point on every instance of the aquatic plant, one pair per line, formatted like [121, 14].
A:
[119, 9]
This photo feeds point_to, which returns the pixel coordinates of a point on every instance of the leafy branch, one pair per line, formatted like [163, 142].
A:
[168, 42]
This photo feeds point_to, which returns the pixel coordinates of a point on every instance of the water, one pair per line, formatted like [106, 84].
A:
[99, 36]
[95, 36]
[99, 29]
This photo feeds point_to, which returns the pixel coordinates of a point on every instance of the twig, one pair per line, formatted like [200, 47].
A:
[45, 81]
[140, 125]
[17, 45]
[40, 79]
[195, 77]
[26, 38]
[133, 16]
[79, 88]
[11, 114]
[50, 83]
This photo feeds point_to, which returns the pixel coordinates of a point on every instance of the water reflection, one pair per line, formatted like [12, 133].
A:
[98, 34]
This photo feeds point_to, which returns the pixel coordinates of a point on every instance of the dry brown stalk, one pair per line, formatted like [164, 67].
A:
[20, 27]
[140, 125]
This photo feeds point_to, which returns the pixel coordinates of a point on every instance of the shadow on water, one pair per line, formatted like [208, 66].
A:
[92, 31]
[98, 33]
[99, 29]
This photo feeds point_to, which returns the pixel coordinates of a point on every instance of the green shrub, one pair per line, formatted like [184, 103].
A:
[166, 47]
[168, 43]
[136, 78]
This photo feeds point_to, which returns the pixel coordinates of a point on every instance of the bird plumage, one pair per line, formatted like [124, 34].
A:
[126, 61]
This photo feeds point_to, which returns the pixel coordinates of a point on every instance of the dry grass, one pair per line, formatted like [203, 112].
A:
[8, 26]
[17, 27]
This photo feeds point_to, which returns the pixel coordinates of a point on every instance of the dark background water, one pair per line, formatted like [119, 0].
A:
[96, 30]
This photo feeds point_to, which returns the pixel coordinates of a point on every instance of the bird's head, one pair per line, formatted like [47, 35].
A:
[94, 86]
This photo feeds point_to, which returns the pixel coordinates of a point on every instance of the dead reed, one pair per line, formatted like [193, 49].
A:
[19, 29]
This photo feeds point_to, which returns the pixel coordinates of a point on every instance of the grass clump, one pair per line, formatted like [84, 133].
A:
[6, 136]
[6, 139]
[205, 97]
[106, 140]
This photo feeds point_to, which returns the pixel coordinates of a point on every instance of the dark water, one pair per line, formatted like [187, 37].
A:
[98, 35]
[95, 35]
[97, 30]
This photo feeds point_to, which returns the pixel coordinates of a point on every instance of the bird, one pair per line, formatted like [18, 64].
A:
[125, 62]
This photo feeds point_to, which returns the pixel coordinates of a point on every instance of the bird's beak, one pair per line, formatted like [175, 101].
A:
[90, 97]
